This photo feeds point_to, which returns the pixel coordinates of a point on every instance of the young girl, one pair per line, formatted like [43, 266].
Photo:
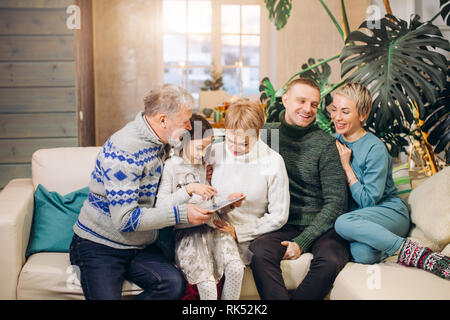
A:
[203, 253]
[379, 221]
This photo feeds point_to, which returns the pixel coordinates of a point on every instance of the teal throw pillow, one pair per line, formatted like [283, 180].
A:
[53, 220]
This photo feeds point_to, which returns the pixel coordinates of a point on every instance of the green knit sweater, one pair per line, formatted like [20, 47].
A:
[317, 182]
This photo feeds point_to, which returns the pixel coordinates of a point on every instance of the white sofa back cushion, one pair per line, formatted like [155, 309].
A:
[63, 170]
[430, 211]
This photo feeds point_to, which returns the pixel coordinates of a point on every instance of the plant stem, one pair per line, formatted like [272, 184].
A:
[345, 20]
[333, 19]
[332, 88]
[387, 5]
[312, 67]
[436, 16]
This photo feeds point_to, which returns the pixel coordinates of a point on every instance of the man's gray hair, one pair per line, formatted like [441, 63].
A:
[168, 99]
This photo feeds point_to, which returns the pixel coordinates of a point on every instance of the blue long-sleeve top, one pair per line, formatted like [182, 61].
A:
[372, 165]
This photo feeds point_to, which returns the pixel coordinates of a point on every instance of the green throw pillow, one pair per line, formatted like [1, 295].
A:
[402, 181]
[53, 220]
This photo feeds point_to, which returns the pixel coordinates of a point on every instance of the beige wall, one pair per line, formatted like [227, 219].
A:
[125, 61]
[126, 51]
[311, 33]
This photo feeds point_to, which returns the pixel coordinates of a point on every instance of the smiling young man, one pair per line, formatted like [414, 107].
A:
[318, 195]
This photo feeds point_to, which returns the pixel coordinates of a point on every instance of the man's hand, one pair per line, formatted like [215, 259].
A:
[293, 250]
[225, 227]
[197, 215]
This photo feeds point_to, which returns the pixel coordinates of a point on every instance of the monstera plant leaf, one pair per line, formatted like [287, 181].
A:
[321, 75]
[394, 61]
[269, 95]
[279, 10]
[394, 138]
[445, 11]
[437, 123]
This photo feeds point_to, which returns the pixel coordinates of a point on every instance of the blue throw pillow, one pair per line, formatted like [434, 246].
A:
[53, 220]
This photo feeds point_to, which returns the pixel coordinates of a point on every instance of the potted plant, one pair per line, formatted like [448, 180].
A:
[213, 93]
[408, 80]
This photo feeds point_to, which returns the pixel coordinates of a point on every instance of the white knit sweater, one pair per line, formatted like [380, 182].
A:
[260, 175]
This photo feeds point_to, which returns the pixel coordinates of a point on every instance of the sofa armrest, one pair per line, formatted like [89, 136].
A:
[16, 216]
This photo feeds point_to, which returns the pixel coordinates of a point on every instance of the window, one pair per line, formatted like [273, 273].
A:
[240, 39]
[187, 43]
[200, 33]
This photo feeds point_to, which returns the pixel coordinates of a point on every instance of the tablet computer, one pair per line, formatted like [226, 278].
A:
[223, 204]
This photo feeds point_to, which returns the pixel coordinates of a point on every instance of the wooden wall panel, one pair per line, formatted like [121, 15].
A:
[33, 74]
[19, 100]
[21, 150]
[27, 4]
[37, 48]
[37, 83]
[13, 171]
[38, 125]
[33, 21]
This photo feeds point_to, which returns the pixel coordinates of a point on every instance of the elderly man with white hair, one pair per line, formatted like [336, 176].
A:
[118, 224]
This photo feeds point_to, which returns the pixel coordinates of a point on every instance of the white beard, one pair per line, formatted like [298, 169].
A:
[176, 140]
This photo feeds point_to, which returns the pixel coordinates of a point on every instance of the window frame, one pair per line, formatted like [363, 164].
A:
[216, 42]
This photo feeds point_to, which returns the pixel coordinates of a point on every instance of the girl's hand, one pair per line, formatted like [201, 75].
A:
[225, 227]
[203, 190]
[345, 154]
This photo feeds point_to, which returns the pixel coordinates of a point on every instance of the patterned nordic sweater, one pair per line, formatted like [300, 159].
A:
[119, 211]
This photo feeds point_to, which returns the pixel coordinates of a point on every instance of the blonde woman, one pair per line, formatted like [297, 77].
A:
[378, 220]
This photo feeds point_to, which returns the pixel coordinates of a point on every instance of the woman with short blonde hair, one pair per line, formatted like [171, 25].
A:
[379, 220]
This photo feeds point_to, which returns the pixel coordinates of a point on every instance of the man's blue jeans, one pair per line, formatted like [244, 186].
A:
[103, 270]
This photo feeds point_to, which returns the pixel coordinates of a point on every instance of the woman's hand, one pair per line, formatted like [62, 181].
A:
[203, 190]
[209, 172]
[225, 227]
[236, 195]
[345, 153]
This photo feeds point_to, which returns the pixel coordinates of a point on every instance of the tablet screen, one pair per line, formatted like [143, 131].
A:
[223, 204]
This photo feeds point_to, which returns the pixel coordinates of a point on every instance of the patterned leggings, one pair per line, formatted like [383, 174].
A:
[234, 272]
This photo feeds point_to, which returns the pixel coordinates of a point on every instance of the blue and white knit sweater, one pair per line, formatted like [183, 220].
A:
[119, 211]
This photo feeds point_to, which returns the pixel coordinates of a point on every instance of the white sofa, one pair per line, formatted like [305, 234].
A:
[50, 276]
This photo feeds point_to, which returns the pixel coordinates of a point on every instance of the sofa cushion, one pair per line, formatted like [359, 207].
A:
[53, 220]
[63, 170]
[388, 281]
[293, 271]
[430, 211]
[49, 276]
